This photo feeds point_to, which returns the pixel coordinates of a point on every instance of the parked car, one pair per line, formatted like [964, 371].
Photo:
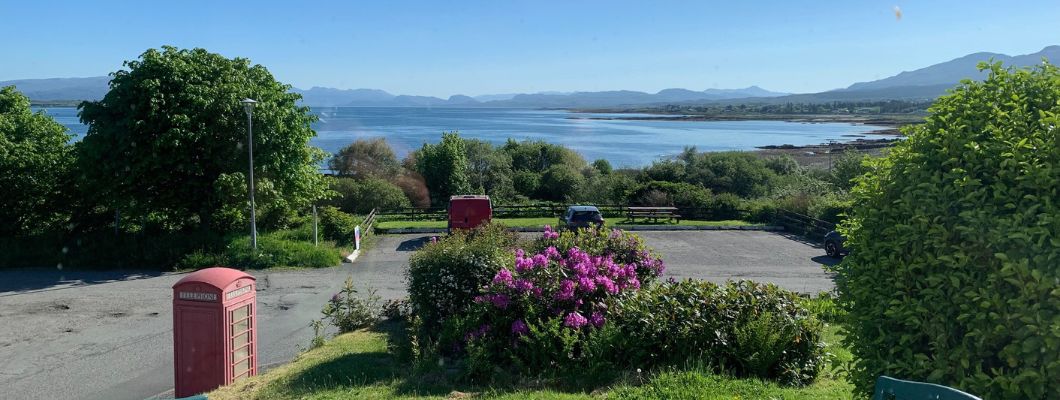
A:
[469, 211]
[833, 244]
[581, 217]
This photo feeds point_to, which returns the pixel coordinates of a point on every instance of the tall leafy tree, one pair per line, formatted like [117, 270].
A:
[171, 135]
[444, 167]
[34, 160]
[489, 169]
[365, 159]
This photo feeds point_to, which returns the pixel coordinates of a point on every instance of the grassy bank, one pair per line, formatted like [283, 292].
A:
[540, 222]
[360, 365]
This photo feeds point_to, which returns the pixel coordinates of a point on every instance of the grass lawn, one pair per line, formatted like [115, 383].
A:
[538, 222]
[359, 365]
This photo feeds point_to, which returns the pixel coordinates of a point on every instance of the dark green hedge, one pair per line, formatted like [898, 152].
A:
[954, 272]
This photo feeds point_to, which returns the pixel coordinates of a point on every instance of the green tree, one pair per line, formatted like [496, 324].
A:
[34, 160]
[739, 173]
[172, 125]
[539, 156]
[955, 242]
[526, 183]
[603, 166]
[360, 196]
[560, 183]
[783, 164]
[489, 170]
[444, 167]
[850, 165]
[366, 158]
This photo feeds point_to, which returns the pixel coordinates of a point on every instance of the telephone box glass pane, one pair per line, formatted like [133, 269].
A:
[242, 353]
[241, 367]
[241, 312]
[241, 326]
[241, 340]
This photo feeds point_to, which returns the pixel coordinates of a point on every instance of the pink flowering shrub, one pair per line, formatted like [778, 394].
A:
[551, 301]
[445, 275]
[624, 247]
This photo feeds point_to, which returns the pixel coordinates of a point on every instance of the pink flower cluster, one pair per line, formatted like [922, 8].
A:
[549, 233]
[571, 286]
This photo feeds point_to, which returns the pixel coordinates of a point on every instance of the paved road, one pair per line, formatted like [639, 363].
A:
[108, 335]
[760, 256]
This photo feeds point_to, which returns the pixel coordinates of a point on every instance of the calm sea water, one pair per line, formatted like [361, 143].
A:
[624, 143]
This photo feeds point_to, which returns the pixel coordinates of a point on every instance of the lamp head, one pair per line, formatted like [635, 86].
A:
[248, 104]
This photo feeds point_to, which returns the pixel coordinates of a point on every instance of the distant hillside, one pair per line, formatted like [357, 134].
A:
[94, 88]
[628, 97]
[52, 89]
[951, 72]
[370, 97]
[925, 83]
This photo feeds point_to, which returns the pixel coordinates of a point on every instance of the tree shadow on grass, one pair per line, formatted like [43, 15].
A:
[349, 370]
[411, 380]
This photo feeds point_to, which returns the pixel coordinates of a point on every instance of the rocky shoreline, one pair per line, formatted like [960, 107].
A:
[824, 155]
[888, 121]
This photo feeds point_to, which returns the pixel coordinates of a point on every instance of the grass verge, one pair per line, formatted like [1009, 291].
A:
[540, 222]
[359, 365]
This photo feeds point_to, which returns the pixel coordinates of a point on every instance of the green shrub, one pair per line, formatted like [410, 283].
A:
[360, 196]
[560, 183]
[847, 167]
[540, 316]
[725, 206]
[831, 207]
[347, 312]
[783, 164]
[336, 225]
[761, 210]
[955, 242]
[743, 328]
[526, 183]
[825, 307]
[105, 250]
[660, 193]
[273, 251]
[445, 275]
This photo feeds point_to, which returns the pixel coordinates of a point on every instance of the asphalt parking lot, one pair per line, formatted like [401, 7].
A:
[108, 335]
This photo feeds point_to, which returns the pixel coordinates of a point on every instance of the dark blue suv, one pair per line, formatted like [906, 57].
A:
[581, 217]
[833, 244]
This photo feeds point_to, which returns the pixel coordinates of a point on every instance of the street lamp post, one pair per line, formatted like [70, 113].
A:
[248, 106]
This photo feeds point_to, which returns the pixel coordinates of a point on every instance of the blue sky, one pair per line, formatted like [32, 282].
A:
[442, 48]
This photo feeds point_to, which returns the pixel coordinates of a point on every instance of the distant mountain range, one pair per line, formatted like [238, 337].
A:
[925, 83]
[329, 97]
[53, 89]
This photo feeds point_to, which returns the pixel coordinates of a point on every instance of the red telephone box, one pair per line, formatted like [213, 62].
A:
[215, 335]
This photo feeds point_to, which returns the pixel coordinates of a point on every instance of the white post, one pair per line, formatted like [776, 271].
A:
[316, 242]
[248, 106]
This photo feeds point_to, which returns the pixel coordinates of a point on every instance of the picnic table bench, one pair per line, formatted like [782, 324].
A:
[653, 213]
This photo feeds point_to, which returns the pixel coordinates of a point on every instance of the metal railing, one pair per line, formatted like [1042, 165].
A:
[805, 225]
[368, 221]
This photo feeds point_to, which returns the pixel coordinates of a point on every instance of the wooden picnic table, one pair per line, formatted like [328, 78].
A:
[654, 213]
